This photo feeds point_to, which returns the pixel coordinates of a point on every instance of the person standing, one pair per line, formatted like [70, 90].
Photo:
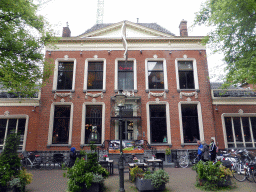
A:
[200, 150]
[213, 150]
[205, 155]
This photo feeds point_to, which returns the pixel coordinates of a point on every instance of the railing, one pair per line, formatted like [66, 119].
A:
[233, 93]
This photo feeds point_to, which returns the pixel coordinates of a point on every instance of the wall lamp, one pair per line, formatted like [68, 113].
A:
[140, 51]
[109, 52]
[200, 52]
[50, 53]
[170, 53]
[81, 53]
[34, 109]
[216, 108]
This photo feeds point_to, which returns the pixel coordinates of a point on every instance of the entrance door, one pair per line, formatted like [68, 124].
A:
[127, 127]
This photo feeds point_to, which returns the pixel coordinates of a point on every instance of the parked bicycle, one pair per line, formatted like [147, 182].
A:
[31, 160]
[188, 158]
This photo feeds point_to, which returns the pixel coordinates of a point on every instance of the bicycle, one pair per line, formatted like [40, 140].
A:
[190, 157]
[31, 160]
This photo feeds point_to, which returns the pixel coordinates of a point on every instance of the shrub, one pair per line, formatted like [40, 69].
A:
[168, 151]
[158, 178]
[210, 175]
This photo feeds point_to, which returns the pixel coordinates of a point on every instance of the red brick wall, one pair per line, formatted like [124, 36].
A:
[172, 97]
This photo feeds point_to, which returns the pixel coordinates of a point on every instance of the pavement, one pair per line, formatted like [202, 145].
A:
[181, 179]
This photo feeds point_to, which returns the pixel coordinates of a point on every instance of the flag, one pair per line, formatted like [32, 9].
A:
[123, 33]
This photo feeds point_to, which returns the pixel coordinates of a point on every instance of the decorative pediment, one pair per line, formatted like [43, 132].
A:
[157, 94]
[188, 94]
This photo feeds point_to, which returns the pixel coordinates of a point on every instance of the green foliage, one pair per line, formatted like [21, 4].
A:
[128, 148]
[92, 146]
[168, 151]
[23, 35]
[136, 172]
[158, 178]
[83, 173]
[234, 34]
[209, 175]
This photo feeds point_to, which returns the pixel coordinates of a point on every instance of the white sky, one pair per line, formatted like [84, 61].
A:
[81, 15]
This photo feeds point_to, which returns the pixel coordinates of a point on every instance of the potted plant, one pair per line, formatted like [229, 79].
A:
[152, 182]
[212, 176]
[86, 175]
[105, 157]
[168, 154]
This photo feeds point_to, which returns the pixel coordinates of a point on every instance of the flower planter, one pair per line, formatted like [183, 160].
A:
[225, 183]
[95, 187]
[169, 158]
[145, 185]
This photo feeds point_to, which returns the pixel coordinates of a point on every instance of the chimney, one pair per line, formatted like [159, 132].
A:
[183, 28]
[66, 31]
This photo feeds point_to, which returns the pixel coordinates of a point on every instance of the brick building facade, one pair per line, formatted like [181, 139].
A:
[169, 99]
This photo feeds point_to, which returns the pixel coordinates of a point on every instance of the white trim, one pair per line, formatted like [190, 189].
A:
[55, 76]
[26, 127]
[83, 120]
[86, 72]
[134, 72]
[164, 70]
[232, 115]
[49, 142]
[194, 72]
[168, 124]
[200, 119]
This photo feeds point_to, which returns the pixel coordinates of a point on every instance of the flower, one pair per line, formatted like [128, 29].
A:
[105, 156]
[153, 156]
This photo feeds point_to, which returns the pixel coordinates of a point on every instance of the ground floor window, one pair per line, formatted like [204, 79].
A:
[9, 126]
[93, 123]
[240, 131]
[61, 124]
[190, 123]
[158, 128]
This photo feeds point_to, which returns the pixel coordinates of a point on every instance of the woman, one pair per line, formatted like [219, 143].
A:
[205, 151]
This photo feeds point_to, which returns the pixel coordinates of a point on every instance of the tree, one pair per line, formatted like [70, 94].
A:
[23, 35]
[234, 34]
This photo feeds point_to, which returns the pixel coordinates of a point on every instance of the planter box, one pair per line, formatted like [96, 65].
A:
[145, 185]
[95, 187]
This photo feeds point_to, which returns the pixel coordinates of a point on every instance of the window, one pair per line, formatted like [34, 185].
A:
[125, 75]
[65, 75]
[190, 123]
[93, 124]
[10, 126]
[61, 124]
[95, 75]
[186, 76]
[155, 75]
[240, 131]
[158, 126]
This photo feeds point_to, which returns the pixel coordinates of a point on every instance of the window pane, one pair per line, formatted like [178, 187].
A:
[125, 80]
[21, 129]
[247, 133]
[93, 123]
[156, 80]
[185, 66]
[95, 80]
[155, 66]
[65, 75]
[237, 128]
[2, 130]
[125, 67]
[229, 131]
[190, 80]
[186, 76]
[253, 122]
[61, 125]
[158, 123]
[65, 66]
[95, 66]
[12, 126]
[190, 123]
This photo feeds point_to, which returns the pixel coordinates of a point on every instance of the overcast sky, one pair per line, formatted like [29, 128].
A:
[81, 15]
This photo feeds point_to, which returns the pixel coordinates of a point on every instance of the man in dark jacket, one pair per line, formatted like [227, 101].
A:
[213, 150]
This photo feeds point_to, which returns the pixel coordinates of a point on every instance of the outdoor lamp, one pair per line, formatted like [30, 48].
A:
[120, 99]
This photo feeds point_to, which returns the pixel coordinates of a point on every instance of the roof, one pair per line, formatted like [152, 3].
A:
[217, 85]
[148, 25]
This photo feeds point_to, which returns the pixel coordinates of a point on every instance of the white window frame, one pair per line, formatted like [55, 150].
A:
[135, 89]
[164, 70]
[168, 124]
[49, 143]
[26, 127]
[86, 73]
[200, 120]
[194, 73]
[242, 130]
[55, 77]
[83, 121]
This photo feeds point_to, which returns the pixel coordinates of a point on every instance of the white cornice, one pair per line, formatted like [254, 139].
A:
[234, 101]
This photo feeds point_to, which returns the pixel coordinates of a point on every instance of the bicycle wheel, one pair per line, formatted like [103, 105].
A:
[49, 165]
[248, 174]
[183, 162]
[239, 172]
[254, 175]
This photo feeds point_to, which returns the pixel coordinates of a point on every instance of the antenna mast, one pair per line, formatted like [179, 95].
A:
[100, 12]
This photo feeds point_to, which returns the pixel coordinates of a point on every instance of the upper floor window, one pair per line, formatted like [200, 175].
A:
[65, 75]
[186, 76]
[95, 75]
[155, 75]
[125, 75]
